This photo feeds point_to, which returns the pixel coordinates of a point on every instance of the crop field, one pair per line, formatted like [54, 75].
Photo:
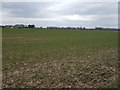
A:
[42, 58]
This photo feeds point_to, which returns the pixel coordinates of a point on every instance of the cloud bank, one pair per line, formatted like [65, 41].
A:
[88, 14]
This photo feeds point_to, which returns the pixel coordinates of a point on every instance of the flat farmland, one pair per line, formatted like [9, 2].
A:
[45, 58]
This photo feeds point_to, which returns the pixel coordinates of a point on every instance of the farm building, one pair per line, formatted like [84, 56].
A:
[19, 26]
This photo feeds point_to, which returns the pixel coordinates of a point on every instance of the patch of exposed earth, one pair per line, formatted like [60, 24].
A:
[92, 70]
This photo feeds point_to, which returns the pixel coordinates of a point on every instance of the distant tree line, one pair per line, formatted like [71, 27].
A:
[20, 26]
[31, 26]
[81, 28]
[74, 28]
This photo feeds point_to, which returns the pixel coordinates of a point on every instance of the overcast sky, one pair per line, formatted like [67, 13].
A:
[87, 14]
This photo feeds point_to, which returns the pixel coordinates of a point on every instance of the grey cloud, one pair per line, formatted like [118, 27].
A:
[91, 8]
[105, 13]
[26, 9]
[40, 9]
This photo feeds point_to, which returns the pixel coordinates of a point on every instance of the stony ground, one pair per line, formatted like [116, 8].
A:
[92, 70]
